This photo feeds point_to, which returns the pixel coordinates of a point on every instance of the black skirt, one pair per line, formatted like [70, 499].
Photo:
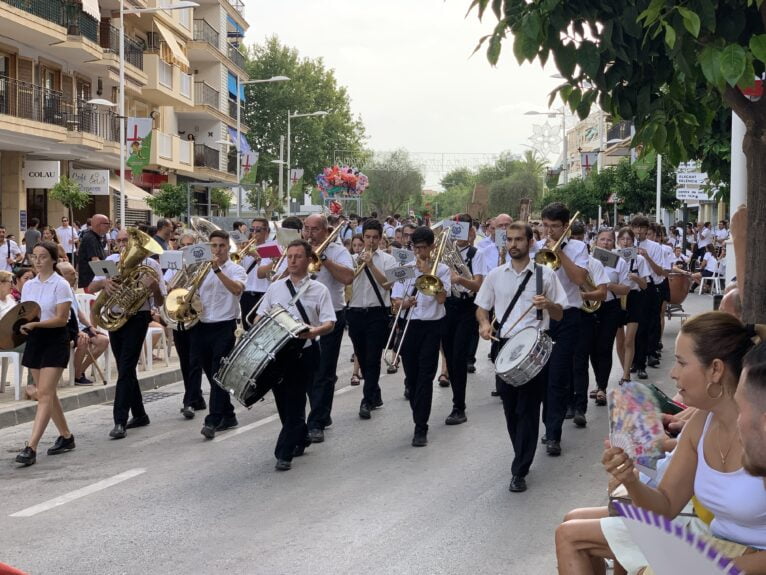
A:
[47, 347]
[635, 311]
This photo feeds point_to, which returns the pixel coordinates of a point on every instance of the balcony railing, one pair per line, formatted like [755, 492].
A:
[166, 74]
[207, 157]
[232, 109]
[206, 95]
[204, 32]
[239, 5]
[186, 85]
[31, 102]
[619, 131]
[88, 119]
[110, 42]
[236, 56]
[67, 14]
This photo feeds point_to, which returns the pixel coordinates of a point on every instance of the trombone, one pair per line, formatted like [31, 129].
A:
[395, 359]
[316, 264]
[549, 257]
[430, 284]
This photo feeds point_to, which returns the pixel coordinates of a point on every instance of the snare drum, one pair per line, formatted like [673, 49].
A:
[523, 356]
[253, 366]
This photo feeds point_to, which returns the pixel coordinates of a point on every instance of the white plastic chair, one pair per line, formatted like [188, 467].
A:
[146, 353]
[14, 358]
[715, 280]
[85, 302]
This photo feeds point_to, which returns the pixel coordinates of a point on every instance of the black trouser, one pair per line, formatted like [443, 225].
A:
[585, 342]
[127, 343]
[191, 370]
[473, 344]
[457, 331]
[565, 334]
[323, 386]
[420, 358]
[648, 326]
[522, 417]
[290, 397]
[368, 329]
[211, 342]
[608, 317]
[247, 302]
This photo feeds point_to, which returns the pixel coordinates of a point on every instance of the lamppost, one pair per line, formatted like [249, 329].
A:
[565, 151]
[290, 116]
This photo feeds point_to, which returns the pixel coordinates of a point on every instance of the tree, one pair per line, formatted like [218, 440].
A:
[670, 66]
[394, 181]
[505, 195]
[452, 201]
[69, 193]
[169, 202]
[459, 177]
[312, 88]
[221, 198]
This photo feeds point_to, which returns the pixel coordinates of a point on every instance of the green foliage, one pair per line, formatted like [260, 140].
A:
[395, 182]
[505, 195]
[69, 193]
[169, 202]
[222, 198]
[459, 177]
[312, 87]
[453, 200]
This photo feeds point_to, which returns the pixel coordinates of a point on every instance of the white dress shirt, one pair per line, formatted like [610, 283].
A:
[47, 294]
[641, 268]
[8, 249]
[705, 237]
[315, 300]
[427, 308]
[6, 305]
[254, 283]
[362, 294]
[66, 236]
[499, 287]
[654, 251]
[152, 263]
[340, 255]
[722, 234]
[218, 303]
[669, 259]
[478, 268]
[711, 264]
[616, 275]
[576, 251]
[596, 271]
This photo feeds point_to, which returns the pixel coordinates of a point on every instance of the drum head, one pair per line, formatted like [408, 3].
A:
[515, 349]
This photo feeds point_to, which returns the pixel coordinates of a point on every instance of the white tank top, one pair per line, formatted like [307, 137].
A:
[737, 500]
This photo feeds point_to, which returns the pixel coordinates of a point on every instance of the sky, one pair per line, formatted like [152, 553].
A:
[410, 75]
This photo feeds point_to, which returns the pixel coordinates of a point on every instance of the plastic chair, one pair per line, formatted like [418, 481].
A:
[715, 283]
[14, 358]
[85, 302]
[146, 353]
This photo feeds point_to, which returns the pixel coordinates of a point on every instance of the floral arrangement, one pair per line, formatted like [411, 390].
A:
[343, 181]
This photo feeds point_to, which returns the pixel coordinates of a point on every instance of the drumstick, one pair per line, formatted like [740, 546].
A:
[529, 309]
[95, 364]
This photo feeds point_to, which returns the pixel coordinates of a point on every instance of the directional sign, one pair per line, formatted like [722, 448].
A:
[691, 194]
[693, 178]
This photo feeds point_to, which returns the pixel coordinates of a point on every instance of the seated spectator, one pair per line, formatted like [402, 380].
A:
[706, 463]
[22, 275]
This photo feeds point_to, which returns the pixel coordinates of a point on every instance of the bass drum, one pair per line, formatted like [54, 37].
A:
[523, 356]
[255, 365]
[679, 285]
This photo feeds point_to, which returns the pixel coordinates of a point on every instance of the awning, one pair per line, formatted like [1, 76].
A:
[172, 43]
[90, 7]
[134, 196]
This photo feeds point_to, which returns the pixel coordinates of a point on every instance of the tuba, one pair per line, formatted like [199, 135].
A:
[588, 305]
[549, 257]
[111, 312]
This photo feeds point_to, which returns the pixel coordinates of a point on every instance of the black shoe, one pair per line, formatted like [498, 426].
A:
[633, 369]
[518, 484]
[653, 362]
[544, 439]
[553, 448]
[419, 440]
[377, 402]
[62, 445]
[579, 419]
[642, 374]
[471, 368]
[199, 405]
[140, 421]
[328, 423]
[118, 432]
[229, 423]
[27, 456]
[456, 417]
[390, 370]
[187, 411]
[316, 435]
[494, 393]
[406, 393]
[364, 410]
[300, 449]
[208, 431]
[283, 465]
[570, 413]
[82, 380]
[443, 381]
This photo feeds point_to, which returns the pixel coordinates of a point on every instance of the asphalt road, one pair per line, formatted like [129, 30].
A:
[166, 501]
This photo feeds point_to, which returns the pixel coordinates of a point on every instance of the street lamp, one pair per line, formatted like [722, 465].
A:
[290, 116]
[183, 4]
[565, 151]
[239, 130]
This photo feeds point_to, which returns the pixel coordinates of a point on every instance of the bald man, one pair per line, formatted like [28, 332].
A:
[491, 255]
[91, 248]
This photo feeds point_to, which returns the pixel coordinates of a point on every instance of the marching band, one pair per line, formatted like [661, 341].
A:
[268, 313]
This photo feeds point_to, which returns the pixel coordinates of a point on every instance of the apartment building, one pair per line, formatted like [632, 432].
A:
[57, 56]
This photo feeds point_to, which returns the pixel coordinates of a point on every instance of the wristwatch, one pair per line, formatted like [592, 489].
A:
[217, 270]
[323, 258]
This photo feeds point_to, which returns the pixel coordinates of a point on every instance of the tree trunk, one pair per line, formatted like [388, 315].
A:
[754, 298]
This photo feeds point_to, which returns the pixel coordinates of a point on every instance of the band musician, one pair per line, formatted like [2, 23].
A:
[314, 307]
[502, 285]
[255, 286]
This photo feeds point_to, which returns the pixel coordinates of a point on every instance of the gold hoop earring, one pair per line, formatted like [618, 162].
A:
[720, 393]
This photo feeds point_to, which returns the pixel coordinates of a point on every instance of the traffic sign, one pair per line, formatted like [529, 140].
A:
[693, 178]
[696, 194]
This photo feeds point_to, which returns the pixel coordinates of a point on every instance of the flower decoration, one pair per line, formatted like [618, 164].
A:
[335, 207]
[341, 180]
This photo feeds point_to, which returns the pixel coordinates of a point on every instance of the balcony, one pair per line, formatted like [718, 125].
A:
[238, 5]
[619, 131]
[171, 152]
[204, 32]
[31, 102]
[206, 95]
[167, 85]
[88, 119]
[66, 15]
[235, 56]
[206, 157]
[232, 109]
[109, 40]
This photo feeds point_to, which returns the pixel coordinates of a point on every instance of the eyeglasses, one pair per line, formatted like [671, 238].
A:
[256, 230]
[121, 241]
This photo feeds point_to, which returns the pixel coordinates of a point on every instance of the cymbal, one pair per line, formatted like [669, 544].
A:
[10, 324]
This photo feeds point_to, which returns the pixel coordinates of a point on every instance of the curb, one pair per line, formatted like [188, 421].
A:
[94, 396]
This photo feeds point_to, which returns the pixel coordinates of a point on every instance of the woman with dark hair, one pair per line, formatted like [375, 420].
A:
[47, 349]
[49, 235]
[706, 462]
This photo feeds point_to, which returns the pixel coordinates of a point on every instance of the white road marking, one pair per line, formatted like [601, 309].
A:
[78, 493]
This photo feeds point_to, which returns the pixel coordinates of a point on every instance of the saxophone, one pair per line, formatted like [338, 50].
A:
[111, 312]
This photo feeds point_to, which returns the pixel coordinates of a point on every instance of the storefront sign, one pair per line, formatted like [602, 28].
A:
[42, 174]
[95, 182]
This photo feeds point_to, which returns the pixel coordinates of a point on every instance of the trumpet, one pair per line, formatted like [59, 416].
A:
[360, 266]
[249, 249]
[316, 264]
[430, 284]
[549, 257]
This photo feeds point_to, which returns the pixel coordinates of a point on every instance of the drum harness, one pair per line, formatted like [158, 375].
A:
[296, 300]
[539, 290]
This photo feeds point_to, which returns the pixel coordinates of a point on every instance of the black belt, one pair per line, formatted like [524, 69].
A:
[464, 296]
[377, 308]
[255, 292]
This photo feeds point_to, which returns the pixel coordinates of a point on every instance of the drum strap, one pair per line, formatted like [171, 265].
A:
[298, 304]
[251, 266]
[522, 285]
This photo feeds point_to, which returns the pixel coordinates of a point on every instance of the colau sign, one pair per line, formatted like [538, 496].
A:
[41, 173]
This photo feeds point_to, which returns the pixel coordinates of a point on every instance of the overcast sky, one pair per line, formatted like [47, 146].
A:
[408, 69]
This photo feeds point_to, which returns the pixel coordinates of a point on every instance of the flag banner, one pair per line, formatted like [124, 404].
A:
[588, 161]
[139, 142]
